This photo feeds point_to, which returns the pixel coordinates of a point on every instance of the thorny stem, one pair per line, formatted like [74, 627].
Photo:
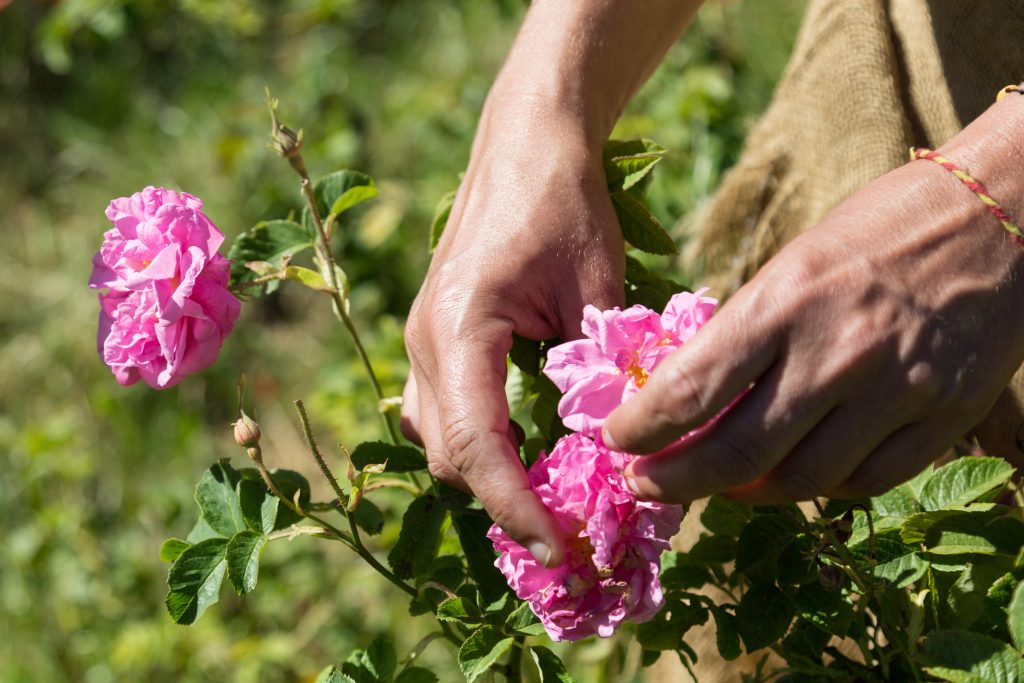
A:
[324, 469]
[323, 248]
[356, 541]
[256, 455]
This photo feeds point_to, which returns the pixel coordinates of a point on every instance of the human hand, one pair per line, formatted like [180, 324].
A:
[869, 345]
[532, 237]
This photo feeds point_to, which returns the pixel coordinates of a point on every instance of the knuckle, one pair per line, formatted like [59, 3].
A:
[738, 456]
[682, 395]
[460, 440]
[798, 484]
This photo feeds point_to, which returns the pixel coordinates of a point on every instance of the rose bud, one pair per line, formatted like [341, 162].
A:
[247, 432]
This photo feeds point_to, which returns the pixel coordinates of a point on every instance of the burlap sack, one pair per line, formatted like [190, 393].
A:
[868, 79]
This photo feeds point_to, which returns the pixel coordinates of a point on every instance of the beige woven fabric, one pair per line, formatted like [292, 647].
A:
[868, 79]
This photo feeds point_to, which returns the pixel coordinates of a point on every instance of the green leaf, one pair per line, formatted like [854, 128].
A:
[441, 213]
[725, 517]
[954, 675]
[665, 631]
[992, 660]
[639, 226]
[259, 506]
[419, 538]
[352, 196]
[415, 674]
[380, 659]
[712, 550]
[459, 610]
[243, 556]
[369, 517]
[828, 610]
[308, 278]
[647, 288]
[627, 162]
[332, 675]
[898, 502]
[963, 481]
[272, 242]
[544, 413]
[763, 616]
[172, 548]
[761, 542]
[398, 458]
[481, 650]
[471, 527]
[903, 570]
[727, 637]
[1015, 618]
[194, 580]
[551, 668]
[333, 188]
[200, 532]
[523, 620]
[525, 354]
[218, 501]
[290, 483]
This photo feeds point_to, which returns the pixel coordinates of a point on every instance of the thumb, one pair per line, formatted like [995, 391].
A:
[693, 384]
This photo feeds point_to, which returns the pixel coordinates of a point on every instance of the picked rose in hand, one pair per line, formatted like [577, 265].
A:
[167, 308]
[613, 544]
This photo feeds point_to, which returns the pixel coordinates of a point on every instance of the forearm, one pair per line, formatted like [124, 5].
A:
[582, 60]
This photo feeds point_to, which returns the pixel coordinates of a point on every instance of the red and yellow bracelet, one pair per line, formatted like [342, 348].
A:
[975, 186]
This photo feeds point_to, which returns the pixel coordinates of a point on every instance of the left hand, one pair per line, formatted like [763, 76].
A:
[870, 343]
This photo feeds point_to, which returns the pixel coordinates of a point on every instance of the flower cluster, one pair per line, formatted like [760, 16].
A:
[167, 309]
[613, 541]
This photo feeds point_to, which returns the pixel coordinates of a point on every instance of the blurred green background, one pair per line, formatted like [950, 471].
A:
[99, 98]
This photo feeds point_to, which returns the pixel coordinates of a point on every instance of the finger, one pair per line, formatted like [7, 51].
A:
[825, 458]
[475, 433]
[900, 457]
[744, 444]
[430, 430]
[410, 421]
[694, 383]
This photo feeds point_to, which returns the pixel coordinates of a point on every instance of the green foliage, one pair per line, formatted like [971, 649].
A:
[394, 458]
[236, 514]
[270, 242]
[929, 565]
[481, 650]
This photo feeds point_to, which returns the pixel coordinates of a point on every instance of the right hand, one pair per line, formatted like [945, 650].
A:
[531, 239]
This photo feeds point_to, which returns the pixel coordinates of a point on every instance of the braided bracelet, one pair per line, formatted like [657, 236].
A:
[975, 186]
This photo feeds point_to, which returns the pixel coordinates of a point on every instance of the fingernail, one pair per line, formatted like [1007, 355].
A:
[631, 485]
[540, 551]
[609, 442]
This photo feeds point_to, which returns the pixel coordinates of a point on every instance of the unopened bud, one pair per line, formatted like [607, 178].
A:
[247, 432]
[286, 141]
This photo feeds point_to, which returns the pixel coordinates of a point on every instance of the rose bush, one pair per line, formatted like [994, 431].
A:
[167, 308]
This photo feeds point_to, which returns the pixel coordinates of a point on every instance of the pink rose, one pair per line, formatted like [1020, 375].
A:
[614, 542]
[621, 349]
[167, 308]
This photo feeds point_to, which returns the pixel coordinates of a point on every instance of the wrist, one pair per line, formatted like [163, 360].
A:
[991, 149]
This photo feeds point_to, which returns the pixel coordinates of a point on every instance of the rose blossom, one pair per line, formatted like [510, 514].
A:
[621, 349]
[614, 541]
[167, 309]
